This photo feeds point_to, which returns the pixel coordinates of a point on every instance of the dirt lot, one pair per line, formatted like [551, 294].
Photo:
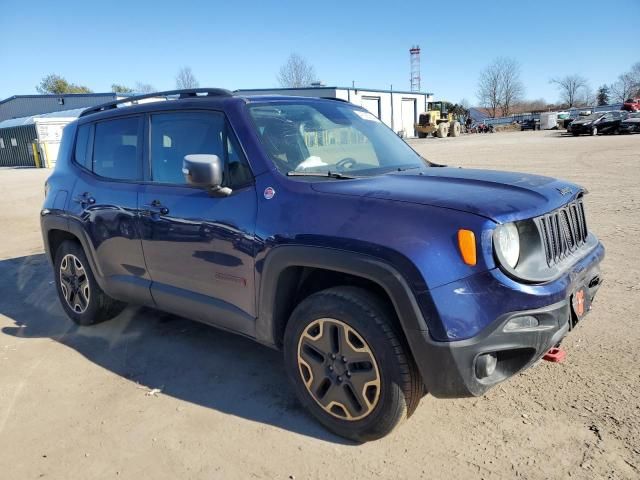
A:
[77, 402]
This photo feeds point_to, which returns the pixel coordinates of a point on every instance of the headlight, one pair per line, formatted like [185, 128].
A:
[507, 244]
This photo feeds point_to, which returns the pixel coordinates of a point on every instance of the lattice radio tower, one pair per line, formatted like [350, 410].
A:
[414, 55]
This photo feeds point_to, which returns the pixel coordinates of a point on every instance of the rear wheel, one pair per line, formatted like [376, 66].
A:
[80, 295]
[443, 130]
[348, 364]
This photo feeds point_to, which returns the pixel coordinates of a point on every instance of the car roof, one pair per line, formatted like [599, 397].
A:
[156, 102]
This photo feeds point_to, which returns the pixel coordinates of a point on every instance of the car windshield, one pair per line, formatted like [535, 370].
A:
[318, 137]
[593, 116]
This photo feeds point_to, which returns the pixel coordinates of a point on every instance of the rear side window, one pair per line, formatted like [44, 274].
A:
[82, 145]
[116, 148]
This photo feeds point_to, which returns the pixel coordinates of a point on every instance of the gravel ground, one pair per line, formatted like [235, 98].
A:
[150, 395]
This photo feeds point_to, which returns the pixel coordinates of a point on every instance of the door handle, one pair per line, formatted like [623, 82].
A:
[85, 199]
[155, 207]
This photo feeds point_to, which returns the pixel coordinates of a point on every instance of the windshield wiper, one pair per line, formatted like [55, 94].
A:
[328, 174]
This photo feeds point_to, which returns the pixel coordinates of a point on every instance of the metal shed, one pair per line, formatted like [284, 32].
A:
[398, 109]
[33, 141]
[19, 106]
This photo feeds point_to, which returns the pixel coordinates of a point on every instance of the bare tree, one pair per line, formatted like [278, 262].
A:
[144, 88]
[570, 88]
[489, 91]
[635, 73]
[588, 97]
[296, 72]
[511, 88]
[624, 87]
[500, 87]
[186, 79]
[528, 106]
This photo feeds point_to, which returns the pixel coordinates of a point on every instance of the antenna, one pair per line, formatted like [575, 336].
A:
[414, 55]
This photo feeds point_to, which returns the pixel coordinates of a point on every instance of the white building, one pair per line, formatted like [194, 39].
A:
[398, 109]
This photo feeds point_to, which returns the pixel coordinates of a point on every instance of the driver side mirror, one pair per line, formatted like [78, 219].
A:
[205, 170]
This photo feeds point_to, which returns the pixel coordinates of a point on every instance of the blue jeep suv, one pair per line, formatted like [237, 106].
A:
[309, 226]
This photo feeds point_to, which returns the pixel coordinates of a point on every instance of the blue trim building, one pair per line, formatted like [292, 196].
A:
[19, 106]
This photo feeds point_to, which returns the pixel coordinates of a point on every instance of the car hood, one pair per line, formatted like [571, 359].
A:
[584, 120]
[499, 196]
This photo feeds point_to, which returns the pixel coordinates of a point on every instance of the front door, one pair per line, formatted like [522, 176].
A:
[199, 249]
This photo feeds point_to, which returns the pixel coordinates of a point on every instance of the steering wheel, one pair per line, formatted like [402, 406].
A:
[345, 164]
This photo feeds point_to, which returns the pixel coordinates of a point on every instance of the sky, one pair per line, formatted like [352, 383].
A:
[242, 44]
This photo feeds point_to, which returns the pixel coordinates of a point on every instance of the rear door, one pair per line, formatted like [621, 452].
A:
[408, 116]
[372, 104]
[103, 206]
[199, 249]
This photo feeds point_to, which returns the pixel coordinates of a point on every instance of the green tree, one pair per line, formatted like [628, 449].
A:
[458, 110]
[55, 85]
[116, 88]
[602, 97]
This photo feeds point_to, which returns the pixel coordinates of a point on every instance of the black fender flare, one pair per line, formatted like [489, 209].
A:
[51, 221]
[353, 263]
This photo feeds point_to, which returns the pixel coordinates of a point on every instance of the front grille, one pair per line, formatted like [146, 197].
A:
[563, 231]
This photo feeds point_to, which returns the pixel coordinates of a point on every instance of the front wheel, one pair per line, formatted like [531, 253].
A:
[80, 295]
[443, 130]
[348, 364]
[594, 131]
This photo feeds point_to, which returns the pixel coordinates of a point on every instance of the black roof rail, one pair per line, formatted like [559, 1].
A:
[186, 93]
[336, 99]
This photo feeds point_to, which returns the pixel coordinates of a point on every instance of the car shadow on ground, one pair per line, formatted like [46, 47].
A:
[186, 360]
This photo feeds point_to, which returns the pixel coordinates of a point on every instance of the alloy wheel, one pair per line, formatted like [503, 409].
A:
[338, 369]
[74, 283]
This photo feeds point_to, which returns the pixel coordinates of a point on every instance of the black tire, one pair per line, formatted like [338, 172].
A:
[422, 135]
[399, 387]
[88, 308]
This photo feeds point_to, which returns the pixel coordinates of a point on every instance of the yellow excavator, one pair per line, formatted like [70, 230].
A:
[437, 121]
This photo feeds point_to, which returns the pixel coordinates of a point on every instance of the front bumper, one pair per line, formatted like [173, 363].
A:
[580, 128]
[629, 128]
[449, 368]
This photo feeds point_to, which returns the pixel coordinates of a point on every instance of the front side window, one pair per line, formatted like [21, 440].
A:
[116, 151]
[175, 135]
[321, 137]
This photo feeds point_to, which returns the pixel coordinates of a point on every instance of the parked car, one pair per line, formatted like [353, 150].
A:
[529, 124]
[631, 124]
[598, 122]
[309, 226]
[631, 105]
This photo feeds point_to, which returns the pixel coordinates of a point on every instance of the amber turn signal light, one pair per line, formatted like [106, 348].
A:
[467, 245]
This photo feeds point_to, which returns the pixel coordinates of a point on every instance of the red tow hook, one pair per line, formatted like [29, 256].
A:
[555, 355]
